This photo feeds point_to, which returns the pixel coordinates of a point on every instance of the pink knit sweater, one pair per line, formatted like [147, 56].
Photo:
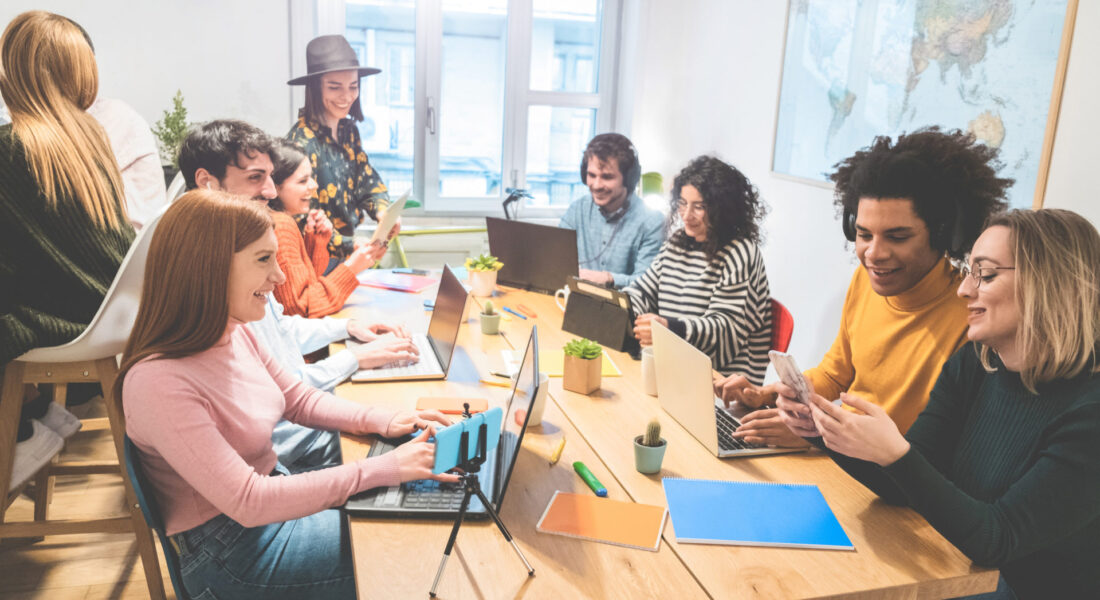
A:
[203, 426]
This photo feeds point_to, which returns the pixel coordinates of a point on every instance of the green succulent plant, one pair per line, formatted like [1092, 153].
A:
[652, 437]
[583, 348]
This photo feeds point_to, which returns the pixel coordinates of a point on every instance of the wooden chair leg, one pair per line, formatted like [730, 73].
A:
[11, 404]
[147, 549]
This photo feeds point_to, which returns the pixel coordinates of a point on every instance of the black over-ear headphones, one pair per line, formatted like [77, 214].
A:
[630, 178]
[940, 238]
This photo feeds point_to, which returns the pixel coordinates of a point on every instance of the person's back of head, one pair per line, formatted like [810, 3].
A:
[950, 178]
[49, 79]
[216, 145]
[1057, 268]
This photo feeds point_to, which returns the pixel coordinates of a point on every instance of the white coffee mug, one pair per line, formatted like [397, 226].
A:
[563, 293]
[539, 405]
[649, 371]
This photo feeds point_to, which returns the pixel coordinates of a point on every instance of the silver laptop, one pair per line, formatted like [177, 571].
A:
[427, 498]
[438, 346]
[685, 390]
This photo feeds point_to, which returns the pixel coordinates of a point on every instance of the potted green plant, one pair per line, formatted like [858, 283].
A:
[583, 363]
[649, 449]
[170, 131]
[483, 274]
[490, 319]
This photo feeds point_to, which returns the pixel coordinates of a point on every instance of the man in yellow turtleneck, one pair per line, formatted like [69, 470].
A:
[909, 206]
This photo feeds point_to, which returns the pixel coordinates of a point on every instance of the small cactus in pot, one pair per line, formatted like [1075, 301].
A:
[649, 449]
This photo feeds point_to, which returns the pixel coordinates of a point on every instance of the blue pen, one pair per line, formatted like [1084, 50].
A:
[513, 312]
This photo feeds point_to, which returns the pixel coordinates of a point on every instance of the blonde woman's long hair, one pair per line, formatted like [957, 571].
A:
[49, 79]
[1057, 256]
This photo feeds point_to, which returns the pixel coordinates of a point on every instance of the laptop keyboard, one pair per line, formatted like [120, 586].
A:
[423, 494]
[427, 365]
[727, 424]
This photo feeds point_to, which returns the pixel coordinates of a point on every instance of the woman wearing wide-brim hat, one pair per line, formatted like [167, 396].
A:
[347, 186]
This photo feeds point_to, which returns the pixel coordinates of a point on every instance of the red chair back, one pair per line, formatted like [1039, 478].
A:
[782, 326]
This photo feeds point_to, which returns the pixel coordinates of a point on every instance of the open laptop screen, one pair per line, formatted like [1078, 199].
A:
[536, 257]
[450, 301]
[523, 397]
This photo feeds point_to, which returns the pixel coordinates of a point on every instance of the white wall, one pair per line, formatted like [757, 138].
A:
[708, 82]
[230, 58]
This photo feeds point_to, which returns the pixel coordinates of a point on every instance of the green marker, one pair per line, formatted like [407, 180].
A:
[590, 479]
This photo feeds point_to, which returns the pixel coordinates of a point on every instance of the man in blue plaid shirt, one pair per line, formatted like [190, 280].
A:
[617, 235]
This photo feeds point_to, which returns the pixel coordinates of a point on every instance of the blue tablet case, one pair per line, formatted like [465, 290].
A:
[745, 513]
[448, 439]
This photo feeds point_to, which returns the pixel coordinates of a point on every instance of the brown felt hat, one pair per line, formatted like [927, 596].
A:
[330, 53]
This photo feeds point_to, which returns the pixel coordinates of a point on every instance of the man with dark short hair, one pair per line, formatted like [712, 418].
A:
[617, 235]
[911, 206]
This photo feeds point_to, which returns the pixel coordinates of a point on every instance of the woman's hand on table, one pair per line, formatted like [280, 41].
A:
[766, 426]
[737, 388]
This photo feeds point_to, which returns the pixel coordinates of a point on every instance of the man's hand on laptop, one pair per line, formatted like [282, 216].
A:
[766, 426]
[600, 277]
[416, 458]
[368, 332]
[738, 388]
[386, 350]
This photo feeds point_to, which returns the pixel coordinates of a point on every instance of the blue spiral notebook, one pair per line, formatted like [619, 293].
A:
[745, 513]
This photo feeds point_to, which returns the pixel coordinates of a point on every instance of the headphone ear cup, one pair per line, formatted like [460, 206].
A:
[584, 168]
[848, 224]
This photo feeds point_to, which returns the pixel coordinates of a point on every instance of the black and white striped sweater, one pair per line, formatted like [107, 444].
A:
[720, 306]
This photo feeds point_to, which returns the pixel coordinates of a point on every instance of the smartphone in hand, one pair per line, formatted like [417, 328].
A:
[790, 374]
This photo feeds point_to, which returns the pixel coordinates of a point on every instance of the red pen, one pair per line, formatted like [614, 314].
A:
[527, 311]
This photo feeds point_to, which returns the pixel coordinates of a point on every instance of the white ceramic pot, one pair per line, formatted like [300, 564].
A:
[482, 283]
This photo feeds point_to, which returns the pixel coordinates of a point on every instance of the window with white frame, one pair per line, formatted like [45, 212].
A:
[477, 96]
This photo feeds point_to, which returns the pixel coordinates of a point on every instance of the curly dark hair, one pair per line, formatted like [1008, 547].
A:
[734, 208]
[947, 176]
[216, 145]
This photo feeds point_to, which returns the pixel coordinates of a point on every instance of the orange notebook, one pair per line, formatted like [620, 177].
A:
[598, 519]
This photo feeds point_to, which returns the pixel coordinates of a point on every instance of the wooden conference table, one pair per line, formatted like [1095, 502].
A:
[897, 553]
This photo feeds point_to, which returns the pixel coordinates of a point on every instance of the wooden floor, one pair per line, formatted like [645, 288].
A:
[71, 567]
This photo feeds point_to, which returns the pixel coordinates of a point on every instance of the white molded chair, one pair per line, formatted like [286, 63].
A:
[91, 357]
[176, 188]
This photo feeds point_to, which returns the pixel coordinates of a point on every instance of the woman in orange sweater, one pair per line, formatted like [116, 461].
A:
[303, 253]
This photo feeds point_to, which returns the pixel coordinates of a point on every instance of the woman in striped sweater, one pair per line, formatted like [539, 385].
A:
[303, 251]
[708, 283]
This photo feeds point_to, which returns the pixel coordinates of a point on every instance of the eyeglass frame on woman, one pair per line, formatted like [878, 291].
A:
[976, 275]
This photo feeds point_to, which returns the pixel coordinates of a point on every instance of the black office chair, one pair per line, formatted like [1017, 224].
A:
[151, 510]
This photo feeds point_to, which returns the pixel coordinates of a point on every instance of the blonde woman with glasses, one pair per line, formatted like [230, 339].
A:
[1005, 460]
[63, 229]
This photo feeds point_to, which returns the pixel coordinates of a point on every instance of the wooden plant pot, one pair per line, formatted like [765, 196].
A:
[582, 375]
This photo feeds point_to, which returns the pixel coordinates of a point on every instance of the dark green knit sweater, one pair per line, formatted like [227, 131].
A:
[55, 265]
[1011, 478]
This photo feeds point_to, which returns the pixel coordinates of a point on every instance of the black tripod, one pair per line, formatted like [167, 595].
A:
[470, 467]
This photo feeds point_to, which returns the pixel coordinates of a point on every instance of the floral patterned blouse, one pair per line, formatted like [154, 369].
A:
[347, 186]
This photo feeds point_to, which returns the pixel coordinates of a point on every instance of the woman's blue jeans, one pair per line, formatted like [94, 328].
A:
[304, 558]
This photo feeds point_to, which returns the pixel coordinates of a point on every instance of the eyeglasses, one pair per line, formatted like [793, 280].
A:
[980, 274]
[698, 208]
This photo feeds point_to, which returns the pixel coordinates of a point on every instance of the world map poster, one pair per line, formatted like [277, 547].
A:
[855, 69]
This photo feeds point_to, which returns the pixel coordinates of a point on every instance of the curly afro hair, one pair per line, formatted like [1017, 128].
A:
[947, 176]
[734, 208]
